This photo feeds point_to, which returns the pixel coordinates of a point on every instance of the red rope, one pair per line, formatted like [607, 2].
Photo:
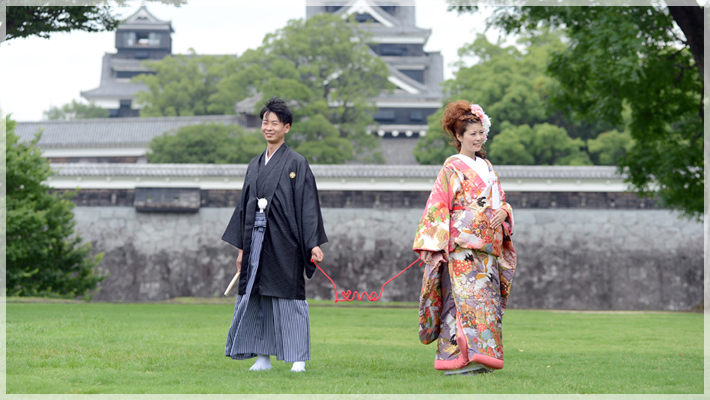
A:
[350, 296]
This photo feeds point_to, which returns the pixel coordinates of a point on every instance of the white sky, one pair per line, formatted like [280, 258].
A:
[36, 73]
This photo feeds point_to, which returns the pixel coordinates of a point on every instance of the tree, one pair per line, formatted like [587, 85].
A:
[324, 66]
[182, 85]
[512, 87]
[635, 58]
[45, 257]
[76, 110]
[435, 147]
[319, 141]
[25, 21]
[543, 144]
[510, 83]
[44, 20]
[609, 147]
[687, 15]
[511, 146]
[206, 144]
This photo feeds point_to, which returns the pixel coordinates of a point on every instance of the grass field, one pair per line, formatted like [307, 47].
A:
[179, 348]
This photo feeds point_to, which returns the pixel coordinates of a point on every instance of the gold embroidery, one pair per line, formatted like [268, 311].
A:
[441, 236]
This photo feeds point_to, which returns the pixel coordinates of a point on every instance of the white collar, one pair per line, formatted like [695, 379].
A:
[483, 169]
[479, 165]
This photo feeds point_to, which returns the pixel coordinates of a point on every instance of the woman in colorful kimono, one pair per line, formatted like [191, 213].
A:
[464, 240]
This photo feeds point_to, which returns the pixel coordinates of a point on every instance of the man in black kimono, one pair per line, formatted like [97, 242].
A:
[278, 228]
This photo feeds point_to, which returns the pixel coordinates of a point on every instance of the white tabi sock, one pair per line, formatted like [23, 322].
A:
[262, 363]
[299, 366]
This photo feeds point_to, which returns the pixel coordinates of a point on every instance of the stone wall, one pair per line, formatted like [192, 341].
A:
[568, 258]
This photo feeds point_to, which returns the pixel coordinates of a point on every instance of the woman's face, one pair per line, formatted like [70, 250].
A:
[472, 139]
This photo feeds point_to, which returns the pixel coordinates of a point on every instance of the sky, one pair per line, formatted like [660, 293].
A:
[36, 73]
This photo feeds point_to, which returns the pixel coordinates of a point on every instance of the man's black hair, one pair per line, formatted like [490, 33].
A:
[278, 107]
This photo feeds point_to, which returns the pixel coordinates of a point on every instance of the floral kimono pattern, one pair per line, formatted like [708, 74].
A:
[465, 289]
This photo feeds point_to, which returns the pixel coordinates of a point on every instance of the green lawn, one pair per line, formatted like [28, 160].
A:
[179, 348]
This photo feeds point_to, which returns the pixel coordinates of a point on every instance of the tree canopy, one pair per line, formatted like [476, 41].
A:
[42, 21]
[206, 144]
[634, 58]
[322, 66]
[610, 147]
[76, 110]
[334, 63]
[45, 256]
[183, 85]
[542, 144]
[514, 90]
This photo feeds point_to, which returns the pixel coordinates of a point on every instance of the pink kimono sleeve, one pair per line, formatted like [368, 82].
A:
[433, 231]
[433, 235]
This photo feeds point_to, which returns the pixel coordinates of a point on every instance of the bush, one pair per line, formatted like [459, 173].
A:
[44, 255]
[207, 144]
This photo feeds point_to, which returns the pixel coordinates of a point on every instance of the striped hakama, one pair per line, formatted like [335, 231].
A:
[264, 324]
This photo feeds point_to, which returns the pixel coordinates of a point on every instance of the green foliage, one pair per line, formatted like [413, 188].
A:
[319, 141]
[435, 147]
[76, 110]
[44, 255]
[543, 144]
[41, 21]
[322, 66]
[512, 87]
[206, 144]
[511, 146]
[183, 85]
[631, 57]
[25, 21]
[609, 147]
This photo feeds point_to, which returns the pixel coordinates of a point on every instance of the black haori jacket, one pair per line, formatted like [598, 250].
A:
[294, 225]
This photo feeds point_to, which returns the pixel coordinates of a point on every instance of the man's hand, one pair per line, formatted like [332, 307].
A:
[317, 254]
[239, 261]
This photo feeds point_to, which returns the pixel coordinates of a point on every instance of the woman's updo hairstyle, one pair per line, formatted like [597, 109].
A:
[456, 117]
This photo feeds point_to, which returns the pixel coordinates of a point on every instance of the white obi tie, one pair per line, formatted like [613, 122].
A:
[262, 204]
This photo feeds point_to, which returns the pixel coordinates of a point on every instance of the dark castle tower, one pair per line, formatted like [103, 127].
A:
[140, 37]
[143, 36]
[400, 43]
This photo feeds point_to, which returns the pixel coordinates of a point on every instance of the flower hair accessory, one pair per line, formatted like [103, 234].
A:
[485, 120]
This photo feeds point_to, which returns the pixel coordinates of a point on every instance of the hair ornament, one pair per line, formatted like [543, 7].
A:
[485, 119]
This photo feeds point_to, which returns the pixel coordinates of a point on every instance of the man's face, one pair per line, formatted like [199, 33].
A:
[274, 130]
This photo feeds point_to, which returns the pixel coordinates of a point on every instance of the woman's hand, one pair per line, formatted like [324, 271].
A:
[239, 261]
[427, 256]
[498, 218]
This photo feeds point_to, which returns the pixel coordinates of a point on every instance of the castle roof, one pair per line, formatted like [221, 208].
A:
[142, 19]
[108, 132]
[112, 88]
